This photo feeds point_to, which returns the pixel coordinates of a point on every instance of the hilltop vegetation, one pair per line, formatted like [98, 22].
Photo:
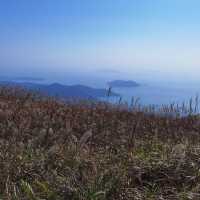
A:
[94, 151]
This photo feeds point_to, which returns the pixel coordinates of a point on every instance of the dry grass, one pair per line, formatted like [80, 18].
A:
[94, 151]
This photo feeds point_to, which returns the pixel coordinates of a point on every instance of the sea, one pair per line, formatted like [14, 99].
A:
[148, 93]
[156, 95]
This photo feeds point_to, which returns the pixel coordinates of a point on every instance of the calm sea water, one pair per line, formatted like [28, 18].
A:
[157, 95]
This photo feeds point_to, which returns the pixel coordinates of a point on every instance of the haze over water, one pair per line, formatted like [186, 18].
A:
[155, 43]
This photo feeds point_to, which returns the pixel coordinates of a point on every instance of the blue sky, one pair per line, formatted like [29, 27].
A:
[139, 37]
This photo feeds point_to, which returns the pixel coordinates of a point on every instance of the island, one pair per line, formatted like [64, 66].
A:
[121, 83]
[21, 79]
[62, 91]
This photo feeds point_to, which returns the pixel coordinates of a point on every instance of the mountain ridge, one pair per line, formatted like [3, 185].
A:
[60, 90]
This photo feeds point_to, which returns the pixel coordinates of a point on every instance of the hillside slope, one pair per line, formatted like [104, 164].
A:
[51, 150]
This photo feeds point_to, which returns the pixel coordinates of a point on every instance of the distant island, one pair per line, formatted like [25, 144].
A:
[21, 78]
[121, 83]
[62, 91]
[28, 79]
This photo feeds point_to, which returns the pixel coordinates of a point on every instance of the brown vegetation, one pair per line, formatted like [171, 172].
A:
[94, 151]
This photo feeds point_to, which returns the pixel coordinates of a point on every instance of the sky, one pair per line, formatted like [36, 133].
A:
[143, 39]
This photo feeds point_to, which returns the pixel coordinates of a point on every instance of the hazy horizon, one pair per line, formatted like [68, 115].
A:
[147, 41]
